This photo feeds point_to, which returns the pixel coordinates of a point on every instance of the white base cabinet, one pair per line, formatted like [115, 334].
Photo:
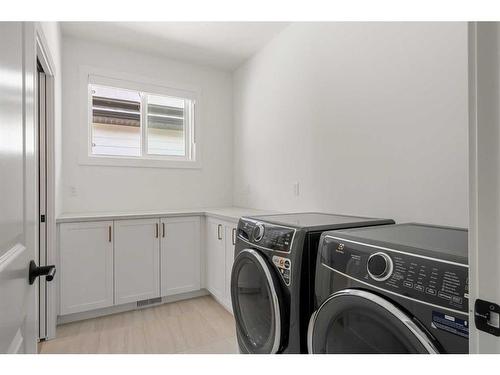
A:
[106, 263]
[180, 255]
[220, 241]
[85, 272]
[216, 258]
[137, 260]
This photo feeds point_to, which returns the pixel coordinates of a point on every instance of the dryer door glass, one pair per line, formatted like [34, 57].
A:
[356, 321]
[256, 303]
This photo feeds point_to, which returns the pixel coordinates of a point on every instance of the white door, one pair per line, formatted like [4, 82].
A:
[230, 231]
[484, 183]
[18, 204]
[216, 258]
[180, 255]
[137, 260]
[86, 271]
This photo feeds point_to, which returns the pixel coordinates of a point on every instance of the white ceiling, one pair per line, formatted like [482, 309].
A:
[224, 45]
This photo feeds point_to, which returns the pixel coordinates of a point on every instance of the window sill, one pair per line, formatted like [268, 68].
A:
[110, 161]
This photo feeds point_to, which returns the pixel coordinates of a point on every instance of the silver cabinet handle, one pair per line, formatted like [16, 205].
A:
[219, 232]
[156, 231]
[234, 236]
[109, 233]
[163, 229]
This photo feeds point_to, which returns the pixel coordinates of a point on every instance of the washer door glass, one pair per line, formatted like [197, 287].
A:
[256, 304]
[356, 321]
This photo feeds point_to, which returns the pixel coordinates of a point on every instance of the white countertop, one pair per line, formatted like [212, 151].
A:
[234, 213]
[224, 213]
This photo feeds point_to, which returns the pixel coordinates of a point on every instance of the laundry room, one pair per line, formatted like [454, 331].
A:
[263, 186]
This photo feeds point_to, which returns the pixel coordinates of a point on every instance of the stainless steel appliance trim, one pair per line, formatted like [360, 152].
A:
[274, 296]
[397, 313]
[310, 329]
[394, 293]
[398, 251]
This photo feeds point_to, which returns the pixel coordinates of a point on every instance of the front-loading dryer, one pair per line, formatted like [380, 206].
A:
[392, 289]
[272, 279]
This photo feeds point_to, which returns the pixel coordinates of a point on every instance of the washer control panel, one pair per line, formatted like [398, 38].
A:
[431, 280]
[265, 235]
[284, 266]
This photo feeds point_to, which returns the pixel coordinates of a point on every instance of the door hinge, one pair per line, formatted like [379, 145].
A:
[42, 218]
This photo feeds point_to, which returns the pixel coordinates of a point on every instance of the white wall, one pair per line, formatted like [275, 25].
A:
[99, 188]
[369, 118]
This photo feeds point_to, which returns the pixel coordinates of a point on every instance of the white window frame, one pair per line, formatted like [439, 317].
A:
[93, 76]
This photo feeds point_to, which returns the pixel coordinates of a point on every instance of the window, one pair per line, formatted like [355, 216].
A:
[166, 118]
[116, 121]
[127, 123]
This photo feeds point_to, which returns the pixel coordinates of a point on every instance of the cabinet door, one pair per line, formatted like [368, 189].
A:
[86, 266]
[180, 255]
[230, 230]
[137, 260]
[215, 258]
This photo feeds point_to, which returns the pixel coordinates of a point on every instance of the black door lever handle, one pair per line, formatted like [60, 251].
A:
[35, 271]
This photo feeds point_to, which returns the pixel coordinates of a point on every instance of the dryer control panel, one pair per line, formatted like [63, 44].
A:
[435, 281]
[265, 235]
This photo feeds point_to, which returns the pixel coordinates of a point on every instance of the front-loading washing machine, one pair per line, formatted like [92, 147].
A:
[272, 279]
[392, 289]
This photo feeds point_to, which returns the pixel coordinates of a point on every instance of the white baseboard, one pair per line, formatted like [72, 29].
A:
[69, 318]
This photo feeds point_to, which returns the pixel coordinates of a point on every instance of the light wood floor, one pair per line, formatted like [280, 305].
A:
[198, 325]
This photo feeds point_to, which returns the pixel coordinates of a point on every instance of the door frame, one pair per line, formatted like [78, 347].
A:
[484, 161]
[43, 55]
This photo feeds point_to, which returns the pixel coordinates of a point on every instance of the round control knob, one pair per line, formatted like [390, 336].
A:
[379, 266]
[258, 232]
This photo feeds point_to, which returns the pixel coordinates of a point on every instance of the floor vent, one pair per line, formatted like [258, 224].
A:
[147, 302]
